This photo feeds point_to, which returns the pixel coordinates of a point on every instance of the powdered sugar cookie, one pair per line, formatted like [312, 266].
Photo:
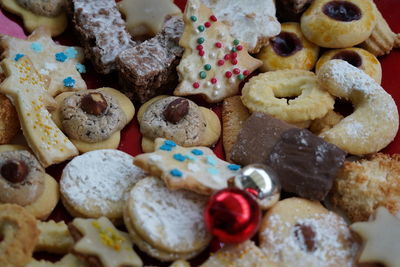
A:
[96, 183]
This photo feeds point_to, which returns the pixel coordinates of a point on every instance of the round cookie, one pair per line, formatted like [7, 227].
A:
[9, 123]
[96, 183]
[357, 57]
[289, 50]
[170, 221]
[48, 8]
[298, 230]
[19, 235]
[338, 24]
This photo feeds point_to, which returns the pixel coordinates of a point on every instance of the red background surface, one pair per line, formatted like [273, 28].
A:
[11, 25]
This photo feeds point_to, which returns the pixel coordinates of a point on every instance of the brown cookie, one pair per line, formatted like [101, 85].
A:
[9, 123]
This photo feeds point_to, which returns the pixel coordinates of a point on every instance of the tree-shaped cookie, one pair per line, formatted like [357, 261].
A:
[214, 63]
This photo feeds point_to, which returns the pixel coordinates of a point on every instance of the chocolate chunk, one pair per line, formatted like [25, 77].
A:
[14, 171]
[306, 236]
[342, 11]
[286, 44]
[257, 137]
[94, 103]
[305, 164]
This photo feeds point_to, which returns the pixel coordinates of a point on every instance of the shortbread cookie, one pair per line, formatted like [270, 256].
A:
[177, 119]
[27, 88]
[145, 18]
[214, 63]
[99, 243]
[194, 168]
[54, 237]
[149, 69]
[69, 260]
[339, 24]
[101, 31]
[300, 231]
[9, 123]
[325, 123]
[252, 22]
[48, 8]
[28, 12]
[96, 183]
[171, 221]
[60, 63]
[234, 113]
[375, 120]
[266, 93]
[19, 235]
[362, 186]
[380, 238]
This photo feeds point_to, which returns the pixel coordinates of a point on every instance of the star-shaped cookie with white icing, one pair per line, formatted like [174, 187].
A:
[381, 238]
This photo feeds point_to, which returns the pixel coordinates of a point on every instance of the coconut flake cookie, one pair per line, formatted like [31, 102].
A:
[167, 221]
[96, 183]
[214, 63]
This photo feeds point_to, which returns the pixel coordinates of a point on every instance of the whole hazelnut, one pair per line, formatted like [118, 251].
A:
[176, 110]
[14, 171]
[94, 104]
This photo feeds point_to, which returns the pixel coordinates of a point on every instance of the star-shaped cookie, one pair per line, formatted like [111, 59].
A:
[192, 168]
[146, 17]
[61, 63]
[381, 238]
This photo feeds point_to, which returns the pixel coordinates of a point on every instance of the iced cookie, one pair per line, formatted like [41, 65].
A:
[289, 50]
[99, 243]
[252, 22]
[62, 64]
[39, 13]
[96, 183]
[300, 231]
[177, 119]
[19, 235]
[193, 168]
[9, 123]
[145, 18]
[93, 119]
[214, 63]
[168, 221]
[54, 237]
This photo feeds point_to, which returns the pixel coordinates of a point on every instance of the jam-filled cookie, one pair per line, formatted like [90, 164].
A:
[357, 57]
[338, 24]
[289, 50]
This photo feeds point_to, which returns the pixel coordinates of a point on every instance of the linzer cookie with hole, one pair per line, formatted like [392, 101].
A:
[298, 230]
[102, 32]
[214, 63]
[149, 69]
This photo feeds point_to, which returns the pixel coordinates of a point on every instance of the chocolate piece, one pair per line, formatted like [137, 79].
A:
[291, 10]
[306, 235]
[342, 11]
[176, 110]
[94, 104]
[149, 69]
[102, 32]
[286, 44]
[305, 164]
[350, 56]
[14, 171]
[257, 137]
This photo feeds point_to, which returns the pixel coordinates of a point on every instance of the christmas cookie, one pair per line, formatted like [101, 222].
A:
[177, 119]
[96, 183]
[39, 13]
[291, 10]
[19, 235]
[251, 21]
[375, 120]
[99, 243]
[54, 237]
[325, 123]
[214, 63]
[193, 168]
[28, 90]
[170, 223]
[93, 119]
[9, 123]
[297, 230]
[69, 260]
[60, 63]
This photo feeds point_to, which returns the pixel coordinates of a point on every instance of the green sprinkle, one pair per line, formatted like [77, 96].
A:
[201, 28]
[200, 40]
[193, 18]
[233, 49]
[236, 42]
[241, 77]
[207, 67]
[203, 74]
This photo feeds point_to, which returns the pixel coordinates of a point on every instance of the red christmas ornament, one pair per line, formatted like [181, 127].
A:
[232, 215]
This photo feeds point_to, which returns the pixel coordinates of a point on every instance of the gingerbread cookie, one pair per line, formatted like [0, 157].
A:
[9, 123]
[96, 183]
[177, 119]
[214, 63]
[27, 88]
[54, 237]
[194, 168]
[99, 243]
[39, 13]
[61, 63]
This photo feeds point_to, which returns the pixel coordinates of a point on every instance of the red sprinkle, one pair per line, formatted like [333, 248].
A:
[218, 44]
[246, 72]
[201, 53]
[213, 80]
[196, 85]
[234, 61]
[234, 55]
[228, 74]
[239, 48]
[207, 24]
[227, 57]
[220, 62]
[236, 71]
[199, 47]
[213, 18]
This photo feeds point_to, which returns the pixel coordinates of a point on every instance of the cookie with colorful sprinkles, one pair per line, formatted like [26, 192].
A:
[214, 63]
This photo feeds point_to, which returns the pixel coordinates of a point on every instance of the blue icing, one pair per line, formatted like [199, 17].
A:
[176, 173]
[233, 167]
[61, 57]
[71, 52]
[211, 160]
[169, 143]
[213, 171]
[197, 152]
[165, 147]
[18, 56]
[80, 68]
[37, 47]
[69, 82]
[190, 157]
[179, 157]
